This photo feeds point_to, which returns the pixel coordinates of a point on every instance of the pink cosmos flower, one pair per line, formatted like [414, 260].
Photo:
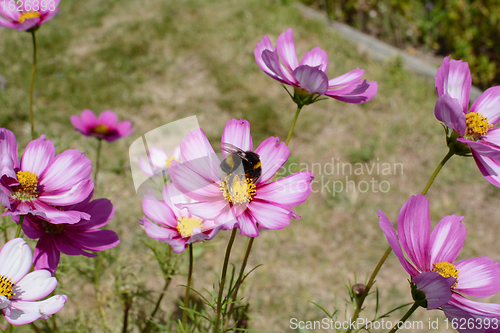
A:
[27, 14]
[72, 239]
[175, 226]
[437, 252]
[475, 127]
[43, 180]
[19, 289]
[105, 127]
[309, 78]
[158, 160]
[235, 200]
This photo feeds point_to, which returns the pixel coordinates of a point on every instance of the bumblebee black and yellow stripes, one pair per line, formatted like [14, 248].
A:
[252, 166]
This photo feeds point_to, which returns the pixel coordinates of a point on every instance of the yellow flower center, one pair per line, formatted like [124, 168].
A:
[446, 270]
[168, 162]
[477, 126]
[6, 286]
[101, 129]
[53, 228]
[28, 184]
[238, 190]
[185, 225]
[28, 15]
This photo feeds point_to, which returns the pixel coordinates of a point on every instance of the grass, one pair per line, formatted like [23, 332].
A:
[157, 61]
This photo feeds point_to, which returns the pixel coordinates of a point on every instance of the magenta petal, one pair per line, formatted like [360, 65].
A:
[488, 105]
[482, 148]
[32, 227]
[158, 211]
[414, 224]
[191, 179]
[449, 111]
[237, 133]
[473, 308]
[492, 137]
[56, 216]
[270, 215]
[66, 197]
[94, 240]
[196, 147]
[69, 247]
[273, 155]
[209, 210]
[489, 168]
[447, 239]
[101, 212]
[178, 244]
[290, 191]
[157, 232]
[346, 79]
[311, 79]
[271, 60]
[392, 238]
[453, 77]
[46, 255]
[65, 171]
[247, 226]
[108, 118]
[286, 50]
[8, 145]
[37, 155]
[360, 92]
[316, 58]
[478, 277]
[437, 289]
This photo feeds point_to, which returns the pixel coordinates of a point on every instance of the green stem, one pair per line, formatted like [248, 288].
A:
[186, 297]
[299, 107]
[441, 164]
[19, 226]
[223, 279]
[370, 283]
[149, 324]
[406, 316]
[238, 283]
[32, 86]
[97, 161]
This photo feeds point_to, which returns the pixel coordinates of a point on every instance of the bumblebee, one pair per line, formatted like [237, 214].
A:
[238, 157]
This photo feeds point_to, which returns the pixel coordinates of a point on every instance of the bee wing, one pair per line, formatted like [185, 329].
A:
[232, 149]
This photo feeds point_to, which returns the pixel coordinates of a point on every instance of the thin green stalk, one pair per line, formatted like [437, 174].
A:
[32, 86]
[223, 279]
[388, 251]
[368, 287]
[299, 107]
[186, 297]
[97, 161]
[406, 316]
[19, 226]
[35, 328]
[54, 323]
[238, 283]
[149, 324]
[441, 164]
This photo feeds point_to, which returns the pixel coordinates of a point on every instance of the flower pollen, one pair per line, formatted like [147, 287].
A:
[101, 129]
[6, 286]
[169, 161]
[185, 225]
[53, 228]
[28, 15]
[477, 126]
[446, 270]
[28, 184]
[238, 190]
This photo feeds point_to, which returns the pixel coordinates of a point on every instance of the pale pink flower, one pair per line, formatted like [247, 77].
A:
[309, 77]
[437, 252]
[158, 161]
[474, 127]
[27, 14]
[105, 127]
[173, 225]
[43, 180]
[20, 289]
[248, 204]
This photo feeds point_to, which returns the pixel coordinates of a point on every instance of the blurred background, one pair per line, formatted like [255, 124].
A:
[156, 61]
